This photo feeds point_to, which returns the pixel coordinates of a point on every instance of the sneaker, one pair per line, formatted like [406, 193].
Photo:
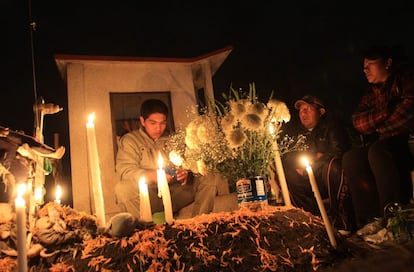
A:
[343, 224]
[370, 228]
[378, 238]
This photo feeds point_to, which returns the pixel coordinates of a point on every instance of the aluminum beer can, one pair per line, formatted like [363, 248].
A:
[251, 191]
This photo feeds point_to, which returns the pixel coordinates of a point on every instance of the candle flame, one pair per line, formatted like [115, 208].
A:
[175, 158]
[305, 161]
[91, 119]
[160, 161]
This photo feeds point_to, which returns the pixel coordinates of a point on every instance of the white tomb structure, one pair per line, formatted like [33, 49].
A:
[113, 88]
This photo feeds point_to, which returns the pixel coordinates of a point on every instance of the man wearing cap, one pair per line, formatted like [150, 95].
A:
[327, 141]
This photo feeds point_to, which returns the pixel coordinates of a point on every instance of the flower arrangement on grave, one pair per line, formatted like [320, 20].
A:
[234, 138]
[201, 146]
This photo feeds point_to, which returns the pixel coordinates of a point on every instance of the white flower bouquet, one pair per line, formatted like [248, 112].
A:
[246, 124]
[200, 146]
[236, 138]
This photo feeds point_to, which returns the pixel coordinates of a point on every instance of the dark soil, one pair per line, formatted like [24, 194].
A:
[278, 239]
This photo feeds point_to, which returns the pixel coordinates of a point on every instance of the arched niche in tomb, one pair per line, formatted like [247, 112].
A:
[114, 88]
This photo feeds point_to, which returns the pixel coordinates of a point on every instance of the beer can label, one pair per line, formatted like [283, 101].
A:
[252, 189]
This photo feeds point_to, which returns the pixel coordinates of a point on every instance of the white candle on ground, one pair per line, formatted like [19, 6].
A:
[38, 199]
[21, 229]
[279, 169]
[144, 201]
[38, 195]
[164, 191]
[282, 178]
[95, 172]
[58, 194]
[321, 206]
[31, 202]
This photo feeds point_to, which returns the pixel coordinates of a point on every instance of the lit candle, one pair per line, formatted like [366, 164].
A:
[58, 194]
[21, 229]
[144, 201]
[31, 202]
[279, 169]
[321, 206]
[38, 195]
[38, 199]
[95, 172]
[164, 191]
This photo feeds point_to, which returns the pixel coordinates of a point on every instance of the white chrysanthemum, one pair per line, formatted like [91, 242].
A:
[190, 165]
[252, 122]
[280, 112]
[259, 109]
[273, 103]
[191, 156]
[192, 141]
[201, 167]
[191, 128]
[241, 138]
[228, 121]
[206, 130]
[191, 137]
[238, 108]
[285, 117]
[236, 138]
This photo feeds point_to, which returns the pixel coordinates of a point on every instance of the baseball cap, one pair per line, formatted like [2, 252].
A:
[311, 100]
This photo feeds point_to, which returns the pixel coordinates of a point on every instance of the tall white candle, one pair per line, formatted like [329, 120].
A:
[95, 171]
[31, 202]
[279, 169]
[321, 206]
[144, 201]
[38, 196]
[21, 230]
[164, 191]
[58, 194]
[38, 199]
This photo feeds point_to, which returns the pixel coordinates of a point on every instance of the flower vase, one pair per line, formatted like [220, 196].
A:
[252, 193]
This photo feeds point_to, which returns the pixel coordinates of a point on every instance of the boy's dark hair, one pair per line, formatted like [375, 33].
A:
[151, 106]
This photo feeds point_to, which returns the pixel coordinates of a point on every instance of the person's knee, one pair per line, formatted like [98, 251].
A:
[206, 184]
[125, 192]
